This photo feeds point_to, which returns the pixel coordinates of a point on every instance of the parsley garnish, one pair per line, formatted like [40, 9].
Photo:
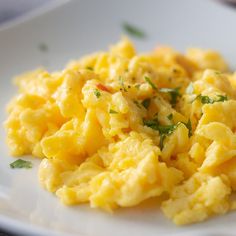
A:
[43, 47]
[174, 93]
[207, 100]
[189, 127]
[162, 138]
[113, 111]
[89, 68]
[137, 104]
[166, 130]
[21, 164]
[133, 30]
[221, 98]
[97, 93]
[148, 80]
[218, 73]
[170, 116]
[122, 83]
[146, 102]
[154, 124]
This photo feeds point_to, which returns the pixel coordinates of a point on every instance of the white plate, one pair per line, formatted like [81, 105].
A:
[74, 29]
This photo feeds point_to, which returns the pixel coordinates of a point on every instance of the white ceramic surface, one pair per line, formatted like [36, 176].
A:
[11, 9]
[71, 30]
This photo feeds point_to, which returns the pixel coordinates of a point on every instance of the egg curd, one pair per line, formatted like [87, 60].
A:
[116, 128]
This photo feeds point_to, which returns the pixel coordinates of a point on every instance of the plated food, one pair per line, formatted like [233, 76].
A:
[116, 128]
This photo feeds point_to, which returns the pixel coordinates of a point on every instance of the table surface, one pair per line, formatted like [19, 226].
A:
[12, 9]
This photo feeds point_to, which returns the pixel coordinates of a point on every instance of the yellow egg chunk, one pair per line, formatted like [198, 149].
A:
[116, 128]
[223, 112]
[207, 59]
[198, 198]
[125, 177]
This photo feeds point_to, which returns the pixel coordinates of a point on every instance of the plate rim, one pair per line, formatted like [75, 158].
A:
[20, 227]
[32, 14]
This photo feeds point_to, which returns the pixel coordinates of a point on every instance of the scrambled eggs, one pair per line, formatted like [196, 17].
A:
[116, 128]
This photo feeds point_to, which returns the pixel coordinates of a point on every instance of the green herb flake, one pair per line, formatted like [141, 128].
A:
[97, 93]
[207, 100]
[162, 138]
[218, 73]
[166, 130]
[148, 80]
[189, 127]
[137, 86]
[43, 47]
[174, 93]
[121, 80]
[156, 115]
[21, 164]
[133, 30]
[113, 111]
[170, 116]
[146, 102]
[221, 98]
[190, 88]
[137, 104]
[89, 68]
[154, 124]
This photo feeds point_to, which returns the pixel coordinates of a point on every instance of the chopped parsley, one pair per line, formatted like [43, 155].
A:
[121, 80]
[218, 73]
[137, 104]
[207, 100]
[170, 116]
[137, 86]
[113, 111]
[166, 130]
[154, 124]
[133, 30]
[89, 68]
[43, 47]
[21, 164]
[190, 88]
[97, 93]
[189, 127]
[174, 93]
[148, 80]
[146, 102]
[221, 98]
[162, 138]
